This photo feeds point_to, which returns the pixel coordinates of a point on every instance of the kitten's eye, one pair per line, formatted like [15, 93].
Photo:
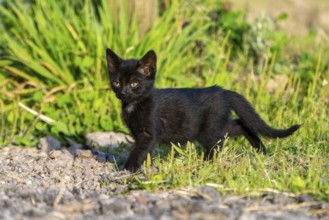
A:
[116, 84]
[133, 84]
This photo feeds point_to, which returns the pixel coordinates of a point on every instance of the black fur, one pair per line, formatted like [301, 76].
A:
[180, 115]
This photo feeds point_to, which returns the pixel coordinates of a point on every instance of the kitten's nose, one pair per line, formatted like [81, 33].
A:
[123, 92]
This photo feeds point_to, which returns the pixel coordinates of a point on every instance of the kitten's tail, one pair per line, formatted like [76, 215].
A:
[253, 121]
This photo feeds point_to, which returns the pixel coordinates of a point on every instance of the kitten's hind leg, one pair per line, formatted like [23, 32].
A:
[255, 141]
[214, 138]
[235, 128]
[211, 146]
[211, 141]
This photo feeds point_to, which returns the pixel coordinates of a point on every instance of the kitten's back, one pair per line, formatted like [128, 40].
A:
[183, 113]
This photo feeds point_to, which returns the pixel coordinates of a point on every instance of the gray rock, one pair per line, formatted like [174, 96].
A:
[304, 197]
[161, 209]
[100, 156]
[54, 154]
[208, 193]
[107, 139]
[141, 217]
[34, 212]
[275, 214]
[118, 206]
[73, 146]
[139, 208]
[62, 157]
[166, 216]
[282, 199]
[83, 154]
[49, 143]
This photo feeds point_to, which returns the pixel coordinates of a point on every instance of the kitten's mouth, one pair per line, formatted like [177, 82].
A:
[125, 98]
[129, 98]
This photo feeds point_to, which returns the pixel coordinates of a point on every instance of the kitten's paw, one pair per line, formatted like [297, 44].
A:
[131, 167]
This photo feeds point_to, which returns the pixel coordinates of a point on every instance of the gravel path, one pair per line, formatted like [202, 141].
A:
[72, 184]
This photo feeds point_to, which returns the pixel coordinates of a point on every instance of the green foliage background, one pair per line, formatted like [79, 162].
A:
[52, 60]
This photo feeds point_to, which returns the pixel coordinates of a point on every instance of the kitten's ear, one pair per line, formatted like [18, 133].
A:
[147, 65]
[113, 61]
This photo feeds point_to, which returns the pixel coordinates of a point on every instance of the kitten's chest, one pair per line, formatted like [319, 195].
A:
[128, 114]
[138, 117]
[129, 109]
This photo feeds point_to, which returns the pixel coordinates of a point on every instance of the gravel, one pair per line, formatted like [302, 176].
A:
[58, 183]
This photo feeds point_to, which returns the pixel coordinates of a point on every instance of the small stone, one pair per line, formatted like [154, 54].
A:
[166, 216]
[208, 193]
[34, 212]
[117, 206]
[139, 208]
[49, 143]
[106, 205]
[161, 209]
[141, 217]
[201, 216]
[99, 156]
[282, 199]
[304, 197]
[107, 139]
[49, 195]
[83, 154]
[73, 146]
[55, 154]
[141, 200]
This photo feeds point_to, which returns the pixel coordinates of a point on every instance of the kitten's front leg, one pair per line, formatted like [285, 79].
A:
[143, 146]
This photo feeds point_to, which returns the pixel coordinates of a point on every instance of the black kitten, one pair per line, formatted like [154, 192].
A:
[180, 115]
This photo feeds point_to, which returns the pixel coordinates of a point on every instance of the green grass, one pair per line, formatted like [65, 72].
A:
[239, 170]
[52, 60]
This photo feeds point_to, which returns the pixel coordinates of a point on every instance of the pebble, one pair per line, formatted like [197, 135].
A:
[208, 193]
[49, 143]
[83, 153]
[107, 139]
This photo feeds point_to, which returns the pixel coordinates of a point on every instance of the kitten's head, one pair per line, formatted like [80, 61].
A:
[131, 80]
